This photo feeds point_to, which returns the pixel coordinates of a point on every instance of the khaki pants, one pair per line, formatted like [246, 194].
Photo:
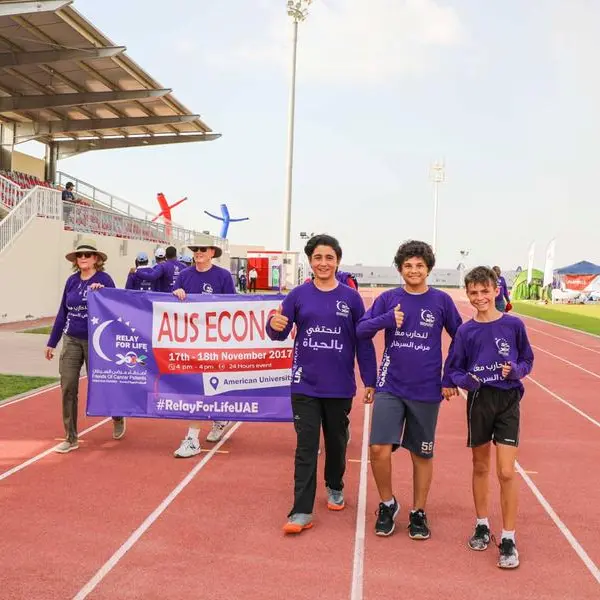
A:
[73, 356]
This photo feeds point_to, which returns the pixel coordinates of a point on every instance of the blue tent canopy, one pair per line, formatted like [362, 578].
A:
[583, 267]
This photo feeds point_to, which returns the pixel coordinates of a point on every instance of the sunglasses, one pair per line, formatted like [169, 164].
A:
[84, 254]
[201, 249]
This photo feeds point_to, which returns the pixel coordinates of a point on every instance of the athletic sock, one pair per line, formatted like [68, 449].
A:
[508, 535]
[390, 503]
[193, 433]
[485, 521]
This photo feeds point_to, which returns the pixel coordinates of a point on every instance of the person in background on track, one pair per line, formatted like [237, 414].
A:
[137, 283]
[243, 281]
[342, 276]
[503, 298]
[409, 387]
[252, 279]
[159, 256]
[489, 356]
[187, 260]
[71, 324]
[204, 278]
[323, 380]
[165, 273]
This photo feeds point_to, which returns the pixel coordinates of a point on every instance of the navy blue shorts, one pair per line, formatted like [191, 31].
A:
[405, 423]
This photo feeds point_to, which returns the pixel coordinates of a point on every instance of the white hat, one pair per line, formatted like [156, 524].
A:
[86, 245]
[160, 253]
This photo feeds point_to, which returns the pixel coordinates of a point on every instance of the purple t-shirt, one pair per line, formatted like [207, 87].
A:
[216, 280]
[134, 282]
[481, 349]
[326, 345]
[411, 366]
[72, 317]
[503, 289]
[165, 274]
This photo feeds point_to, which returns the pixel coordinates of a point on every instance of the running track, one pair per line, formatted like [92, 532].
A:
[126, 520]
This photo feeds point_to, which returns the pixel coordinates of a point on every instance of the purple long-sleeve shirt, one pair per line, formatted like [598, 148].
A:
[411, 366]
[480, 349]
[72, 317]
[165, 275]
[134, 282]
[326, 345]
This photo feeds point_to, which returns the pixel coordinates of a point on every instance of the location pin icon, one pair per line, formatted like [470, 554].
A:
[214, 381]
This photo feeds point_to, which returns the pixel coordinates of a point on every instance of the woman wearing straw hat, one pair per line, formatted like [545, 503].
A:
[71, 324]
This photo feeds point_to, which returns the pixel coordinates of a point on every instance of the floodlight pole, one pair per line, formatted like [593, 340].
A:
[438, 175]
[297, 9]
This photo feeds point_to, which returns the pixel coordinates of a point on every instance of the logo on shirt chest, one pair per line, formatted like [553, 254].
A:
[427, 318]
[342, 309]
[207, 288]
[503, 346]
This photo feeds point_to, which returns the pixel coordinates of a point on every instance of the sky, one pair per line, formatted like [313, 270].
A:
[507, 94]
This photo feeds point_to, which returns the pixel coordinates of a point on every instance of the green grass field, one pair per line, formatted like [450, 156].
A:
[12, 385]
[40, 330]
[577, 316]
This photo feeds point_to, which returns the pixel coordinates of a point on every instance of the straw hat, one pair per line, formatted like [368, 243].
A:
[86, 245]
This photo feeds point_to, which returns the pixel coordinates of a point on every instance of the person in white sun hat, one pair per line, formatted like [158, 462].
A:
[71, 324]
[203, 278]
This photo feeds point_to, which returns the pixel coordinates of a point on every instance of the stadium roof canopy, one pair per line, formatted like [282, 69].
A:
[65, 84]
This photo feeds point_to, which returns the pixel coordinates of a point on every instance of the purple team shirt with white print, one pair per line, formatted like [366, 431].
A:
[72, 317]
[165, 275]
[411, 366]
[480, 349]
[503, 289]
[326, 345]
[216, 280]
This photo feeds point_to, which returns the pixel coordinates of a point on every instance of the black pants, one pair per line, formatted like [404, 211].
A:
[309, 415]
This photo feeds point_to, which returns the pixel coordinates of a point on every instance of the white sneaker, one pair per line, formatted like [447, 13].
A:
[219, 429]
[66, 446]
[189, 447]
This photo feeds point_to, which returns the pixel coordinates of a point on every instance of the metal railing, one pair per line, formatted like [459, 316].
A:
[10, 193]
[37, 201]
[104, 199]
[79, 217]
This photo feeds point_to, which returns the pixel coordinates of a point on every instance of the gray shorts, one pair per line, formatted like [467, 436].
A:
[405, 423]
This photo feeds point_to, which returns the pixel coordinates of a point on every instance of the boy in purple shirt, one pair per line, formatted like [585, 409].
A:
[325, 313]
[409, 387]
[203, 278]
[137, 283]
[489, 356]
[502, 299]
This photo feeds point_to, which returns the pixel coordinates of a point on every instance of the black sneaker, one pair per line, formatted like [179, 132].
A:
[509, 557]
[385, 518]
[417, 527]
[480, 540]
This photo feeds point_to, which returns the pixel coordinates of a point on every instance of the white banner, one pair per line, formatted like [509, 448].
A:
[530, 262]
[549, 266]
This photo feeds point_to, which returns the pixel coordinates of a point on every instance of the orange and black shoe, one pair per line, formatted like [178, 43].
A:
[298, 522]
[335, 499]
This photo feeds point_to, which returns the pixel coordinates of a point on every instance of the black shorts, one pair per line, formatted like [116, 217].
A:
[493, 414]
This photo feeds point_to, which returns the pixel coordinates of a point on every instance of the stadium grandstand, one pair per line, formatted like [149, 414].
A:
[63, 83]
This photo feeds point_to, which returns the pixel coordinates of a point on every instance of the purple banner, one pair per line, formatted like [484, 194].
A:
[209, 357]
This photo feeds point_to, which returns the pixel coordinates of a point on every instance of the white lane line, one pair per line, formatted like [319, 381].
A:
[356, 592]
[46, 452]
[530, 328]
[567, 403]
[583, 555]
[568, 362]
[110, 564]
[552, 324]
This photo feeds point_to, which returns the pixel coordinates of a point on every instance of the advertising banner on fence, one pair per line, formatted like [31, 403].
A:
[209, 357]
